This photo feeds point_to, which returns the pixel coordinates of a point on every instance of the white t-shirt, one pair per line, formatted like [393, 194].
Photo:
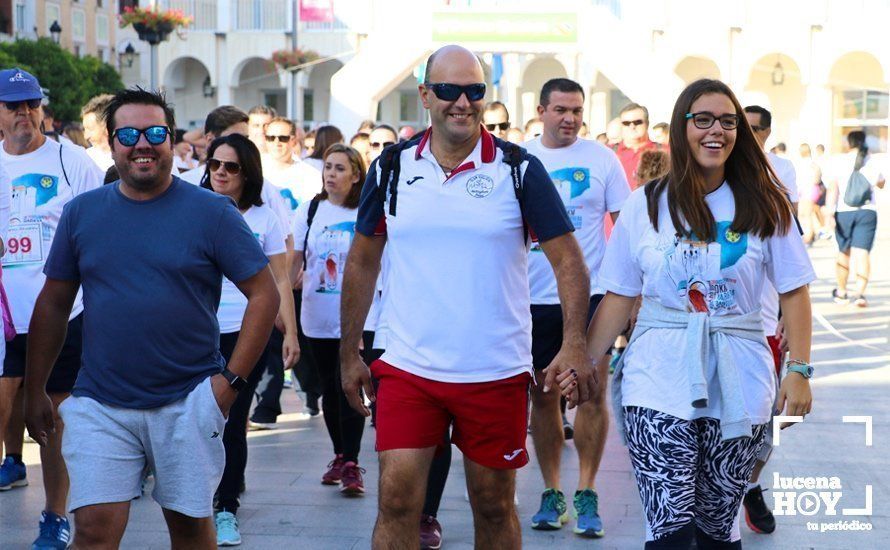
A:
[102, 158]
[232, 303]
[270, 198]
[296, 184]
[841, 167]
[5, 203]
[591, 182]
[725, 276]
[330, 237]
[39, 192]
[788, 176]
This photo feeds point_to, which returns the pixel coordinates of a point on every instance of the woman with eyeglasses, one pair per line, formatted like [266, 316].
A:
[323, 231]
[233, 169]
[695, 389]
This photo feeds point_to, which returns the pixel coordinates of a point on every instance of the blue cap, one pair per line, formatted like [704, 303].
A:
[19, 85]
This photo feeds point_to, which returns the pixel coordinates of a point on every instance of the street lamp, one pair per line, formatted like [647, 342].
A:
[207, 88]
[778, 74]
[129, 55]
[55, 30]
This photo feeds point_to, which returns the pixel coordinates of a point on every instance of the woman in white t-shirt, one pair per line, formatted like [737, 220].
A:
[234, 169]
[694, 392]
[325, 239]
[855, 224]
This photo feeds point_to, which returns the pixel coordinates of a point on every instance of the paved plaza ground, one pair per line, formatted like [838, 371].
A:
[285, 506]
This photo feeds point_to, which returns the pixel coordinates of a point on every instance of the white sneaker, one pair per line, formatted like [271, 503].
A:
[227, 533]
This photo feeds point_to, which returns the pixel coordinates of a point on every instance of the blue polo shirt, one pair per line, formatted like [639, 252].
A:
[151, 273]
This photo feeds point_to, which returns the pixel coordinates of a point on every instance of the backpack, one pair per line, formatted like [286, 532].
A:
[390, 166]
[858, 191]
[313, 208]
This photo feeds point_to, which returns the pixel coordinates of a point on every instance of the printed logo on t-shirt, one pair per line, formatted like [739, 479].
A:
[27, 232]
[570, 183]
[332, 245]
[292, 202]
[480, 186]
[695, 270]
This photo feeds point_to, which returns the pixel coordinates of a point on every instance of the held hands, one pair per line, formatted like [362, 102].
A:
[574, 374]
[39, 417]
[795, 397]
[356, 378]
[223, 392]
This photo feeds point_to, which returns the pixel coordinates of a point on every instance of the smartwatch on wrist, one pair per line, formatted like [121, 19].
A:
[804, 369]
[235, 382]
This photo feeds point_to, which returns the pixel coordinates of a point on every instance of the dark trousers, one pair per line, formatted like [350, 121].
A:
[345, 425]
[271, 382]
[304, 370]
[235, 434]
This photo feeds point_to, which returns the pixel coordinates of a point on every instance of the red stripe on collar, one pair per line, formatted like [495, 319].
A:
[423, 142]
[488, 149]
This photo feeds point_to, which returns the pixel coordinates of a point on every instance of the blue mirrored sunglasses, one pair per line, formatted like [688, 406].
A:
[155, 135]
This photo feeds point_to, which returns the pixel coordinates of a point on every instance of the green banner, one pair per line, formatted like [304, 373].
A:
[505, 27]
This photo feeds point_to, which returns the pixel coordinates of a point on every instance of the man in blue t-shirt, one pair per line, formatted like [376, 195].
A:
[150, 252]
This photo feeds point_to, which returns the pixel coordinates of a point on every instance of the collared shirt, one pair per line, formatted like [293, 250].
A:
[630, 160]
[456, 296]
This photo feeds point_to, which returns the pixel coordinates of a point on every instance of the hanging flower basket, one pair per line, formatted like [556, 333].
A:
[152, 25]
[293, 58]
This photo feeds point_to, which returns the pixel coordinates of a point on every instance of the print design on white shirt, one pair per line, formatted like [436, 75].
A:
[333, 246]
[570, 182]
[694, 270]
[26, 229]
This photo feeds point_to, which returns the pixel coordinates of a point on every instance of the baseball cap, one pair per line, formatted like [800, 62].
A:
[18, 85]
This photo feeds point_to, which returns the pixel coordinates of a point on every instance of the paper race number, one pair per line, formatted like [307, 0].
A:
[24, 244]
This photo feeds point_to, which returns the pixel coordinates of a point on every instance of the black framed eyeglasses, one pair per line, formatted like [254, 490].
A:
[128, 136]
[281, 139]
[14, 105]
[704, 120]
[231, 167]
[381, 144]
[452, 92]
[502, 126]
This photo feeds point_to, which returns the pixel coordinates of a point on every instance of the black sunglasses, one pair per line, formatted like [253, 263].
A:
[633, 122]
[231, 167]
[381, 144]
[503, 126]
[128, 136]
[452, 92]
[14, 105]
[281, 139]
[704, 120]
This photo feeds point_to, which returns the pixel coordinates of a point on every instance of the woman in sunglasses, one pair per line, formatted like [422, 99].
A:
[695, 390]
[323, 232]
[233, 169]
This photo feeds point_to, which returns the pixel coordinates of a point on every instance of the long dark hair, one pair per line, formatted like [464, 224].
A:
[325, 136]
[856, 140]
[358, 168]
[251, 168]
[761, 204]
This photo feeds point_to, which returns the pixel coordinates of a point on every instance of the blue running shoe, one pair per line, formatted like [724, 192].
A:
[586, 512]
[12, 474]
[55, 532]
[553, 512]
[227, 533]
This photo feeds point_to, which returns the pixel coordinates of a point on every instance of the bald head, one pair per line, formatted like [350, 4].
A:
[452, 56]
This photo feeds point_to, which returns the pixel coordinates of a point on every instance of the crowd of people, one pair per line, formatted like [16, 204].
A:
[462, 284]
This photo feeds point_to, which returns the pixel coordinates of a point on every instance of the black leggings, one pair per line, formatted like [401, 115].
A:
[235, 434]
[345, 424]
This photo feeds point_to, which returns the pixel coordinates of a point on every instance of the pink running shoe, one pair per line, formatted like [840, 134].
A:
[430, 533]
[333, 475]
[351, 482]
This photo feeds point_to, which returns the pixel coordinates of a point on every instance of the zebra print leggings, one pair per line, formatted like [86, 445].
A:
[686, 474]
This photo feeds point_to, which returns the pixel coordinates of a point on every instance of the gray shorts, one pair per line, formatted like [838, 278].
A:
[107, 449]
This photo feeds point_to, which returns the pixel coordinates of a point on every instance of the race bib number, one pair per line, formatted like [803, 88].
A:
[24, 244]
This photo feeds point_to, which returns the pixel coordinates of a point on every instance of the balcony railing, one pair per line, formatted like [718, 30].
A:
[204, 12]
[260, 15]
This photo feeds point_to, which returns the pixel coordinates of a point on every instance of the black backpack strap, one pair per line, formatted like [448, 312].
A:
[313, 208]
[390, 162]
[513, 156]
[64, 173]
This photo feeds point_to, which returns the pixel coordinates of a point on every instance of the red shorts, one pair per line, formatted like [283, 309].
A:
[490, 418]
[777, 354]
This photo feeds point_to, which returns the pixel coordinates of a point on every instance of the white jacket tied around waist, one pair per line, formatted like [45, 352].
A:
[703, 333]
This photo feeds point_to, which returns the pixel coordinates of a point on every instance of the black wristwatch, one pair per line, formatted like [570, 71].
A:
[236, 382]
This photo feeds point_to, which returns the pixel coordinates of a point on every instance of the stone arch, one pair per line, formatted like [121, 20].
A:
[776, 83]
[693, 67]
[183, 81]
[257, 81]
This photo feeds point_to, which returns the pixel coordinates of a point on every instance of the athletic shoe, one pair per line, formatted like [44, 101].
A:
[12, 474]
[860, 301]
[838, 299]
[227, 533]
[589, 524]
[288, 379]
[553, 512]
[351, 482]
[55, 532]
[259, 426]
[568, 431]
[757, 515]
[430, 533]
[333, 475]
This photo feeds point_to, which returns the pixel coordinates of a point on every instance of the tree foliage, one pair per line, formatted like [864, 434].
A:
[69, 81]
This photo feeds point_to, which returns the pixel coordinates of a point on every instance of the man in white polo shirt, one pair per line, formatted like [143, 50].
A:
[456, 301]
[592, 184]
